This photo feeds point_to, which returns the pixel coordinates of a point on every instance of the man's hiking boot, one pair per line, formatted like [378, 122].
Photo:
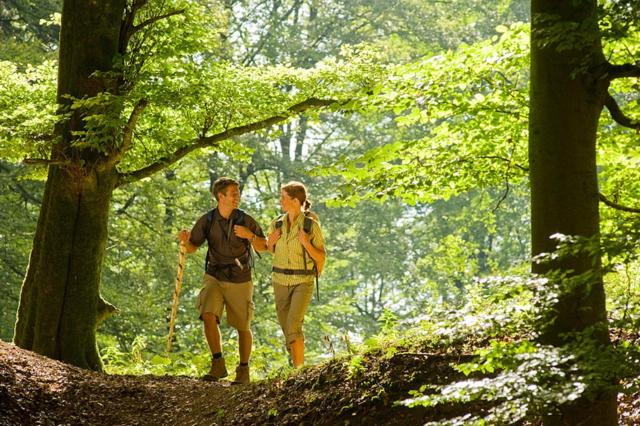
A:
[218, 370]
[242, 375]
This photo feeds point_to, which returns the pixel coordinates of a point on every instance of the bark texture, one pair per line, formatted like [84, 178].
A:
[60, 303]
[567, 98]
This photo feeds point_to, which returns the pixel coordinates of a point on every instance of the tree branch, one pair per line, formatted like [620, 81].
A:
[127, 204]
[126, 28]
[506, 160]
[43, 162]
[213, 140]
[618, 116]
[622, 71]
[127, 131]
[24, 193]
[617, 206]
[153, 20]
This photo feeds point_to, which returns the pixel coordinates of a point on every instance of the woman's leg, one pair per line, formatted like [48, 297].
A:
[300, 299]
[297, 352]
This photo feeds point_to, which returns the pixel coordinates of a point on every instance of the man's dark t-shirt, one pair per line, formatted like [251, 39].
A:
[225, 247]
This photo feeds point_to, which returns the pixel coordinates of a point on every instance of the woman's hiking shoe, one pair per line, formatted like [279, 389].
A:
[218, 370]
[242, 375]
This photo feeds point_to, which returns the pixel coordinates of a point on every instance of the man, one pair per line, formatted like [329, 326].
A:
[230, 234]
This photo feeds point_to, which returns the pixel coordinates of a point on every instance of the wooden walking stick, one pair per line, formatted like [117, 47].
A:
[176, 294]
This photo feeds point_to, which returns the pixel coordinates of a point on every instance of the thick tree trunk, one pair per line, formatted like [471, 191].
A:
[60, 304]
[566, 101]
[60, 301]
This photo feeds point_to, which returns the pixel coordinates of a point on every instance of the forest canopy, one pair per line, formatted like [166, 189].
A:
[414, 126]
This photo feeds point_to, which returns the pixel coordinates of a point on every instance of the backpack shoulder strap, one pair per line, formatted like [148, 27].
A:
[280, 221]
[210, 215]
[239, 217]
[309, 218]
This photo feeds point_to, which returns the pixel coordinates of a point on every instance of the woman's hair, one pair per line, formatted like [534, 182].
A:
[298, 190]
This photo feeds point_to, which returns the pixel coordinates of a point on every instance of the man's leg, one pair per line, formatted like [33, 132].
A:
[210, 305]
[239, 305]
[245, 343]
[212, 332]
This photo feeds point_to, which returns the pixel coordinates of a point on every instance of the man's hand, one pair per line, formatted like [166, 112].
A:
[183, 236]
[243, 232]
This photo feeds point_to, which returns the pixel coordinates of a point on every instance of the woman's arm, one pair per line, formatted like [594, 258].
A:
[318, 254]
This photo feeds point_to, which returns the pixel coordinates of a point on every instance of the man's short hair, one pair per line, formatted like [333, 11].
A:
[221, 184]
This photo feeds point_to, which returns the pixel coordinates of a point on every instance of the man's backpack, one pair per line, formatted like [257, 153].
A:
[307, 226]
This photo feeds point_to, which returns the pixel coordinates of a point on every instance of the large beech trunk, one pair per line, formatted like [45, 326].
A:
[60, 304]
[567, 98]
[60, 300]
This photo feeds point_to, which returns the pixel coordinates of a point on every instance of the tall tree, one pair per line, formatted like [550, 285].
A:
[100, 79]
[570, 77]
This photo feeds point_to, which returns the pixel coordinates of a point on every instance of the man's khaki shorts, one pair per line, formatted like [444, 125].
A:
[291, 306]
[237, 297]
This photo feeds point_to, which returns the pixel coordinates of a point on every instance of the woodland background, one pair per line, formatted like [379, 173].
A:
[418, 172]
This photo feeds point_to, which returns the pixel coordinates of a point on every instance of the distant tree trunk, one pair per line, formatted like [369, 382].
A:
[60, 304]
[567, 98]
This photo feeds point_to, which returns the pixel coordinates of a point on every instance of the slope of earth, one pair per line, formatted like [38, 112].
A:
[35, 390]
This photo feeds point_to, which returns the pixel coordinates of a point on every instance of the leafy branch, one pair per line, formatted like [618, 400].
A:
[617, 206]
[213, 140]
[127, 131]
[128, 28]
[619, 116]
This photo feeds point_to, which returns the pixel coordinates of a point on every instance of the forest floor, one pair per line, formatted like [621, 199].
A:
[35, 390]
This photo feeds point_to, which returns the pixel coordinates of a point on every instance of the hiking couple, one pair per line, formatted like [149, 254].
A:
[230, 233]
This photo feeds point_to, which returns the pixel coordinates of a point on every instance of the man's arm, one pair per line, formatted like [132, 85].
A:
[258, 243]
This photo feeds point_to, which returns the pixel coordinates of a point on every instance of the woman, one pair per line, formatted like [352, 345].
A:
[298, 257]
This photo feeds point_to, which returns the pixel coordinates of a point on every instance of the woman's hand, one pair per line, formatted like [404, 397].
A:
[273, 238]
[303, 237]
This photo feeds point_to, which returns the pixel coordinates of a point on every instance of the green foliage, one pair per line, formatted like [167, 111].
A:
[27, 101]
[533, 380]
[139, 360]
[523, 379]
[29, 30]
[618, 18]
[442, 130]
[20, 200]
[469, 108]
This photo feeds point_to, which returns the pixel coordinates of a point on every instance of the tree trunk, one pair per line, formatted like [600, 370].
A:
[60, 301]
[60, 304]
[567, 98]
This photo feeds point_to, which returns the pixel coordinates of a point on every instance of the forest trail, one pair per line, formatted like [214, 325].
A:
[35, 390]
